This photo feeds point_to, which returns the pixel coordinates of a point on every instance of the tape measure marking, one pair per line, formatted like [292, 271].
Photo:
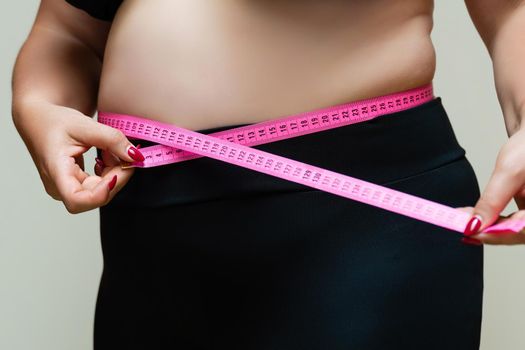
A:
[235, 152]
[292, 126]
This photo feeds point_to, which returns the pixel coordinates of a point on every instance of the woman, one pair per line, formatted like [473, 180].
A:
[205, 255]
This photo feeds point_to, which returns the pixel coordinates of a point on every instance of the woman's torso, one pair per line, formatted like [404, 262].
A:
[201, 64]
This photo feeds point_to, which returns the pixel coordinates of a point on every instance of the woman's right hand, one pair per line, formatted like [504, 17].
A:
[57, 137]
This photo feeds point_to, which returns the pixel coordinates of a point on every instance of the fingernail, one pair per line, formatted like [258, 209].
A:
[473, 225]
[100, 162]
[138, 145]
[112, 183]
[135, 154]
[471, 241]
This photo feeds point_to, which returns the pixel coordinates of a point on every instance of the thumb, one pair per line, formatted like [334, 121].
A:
[107, 138]
[497, 194]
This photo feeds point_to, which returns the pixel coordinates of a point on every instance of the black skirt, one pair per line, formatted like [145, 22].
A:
[206, 255]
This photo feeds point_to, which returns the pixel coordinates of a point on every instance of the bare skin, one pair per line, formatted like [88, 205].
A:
[206, 64]
[202, 64]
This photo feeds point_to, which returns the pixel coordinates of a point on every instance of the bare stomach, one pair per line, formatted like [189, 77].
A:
[201, 64]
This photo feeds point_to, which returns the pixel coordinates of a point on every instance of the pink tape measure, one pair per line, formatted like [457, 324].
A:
[177, 144]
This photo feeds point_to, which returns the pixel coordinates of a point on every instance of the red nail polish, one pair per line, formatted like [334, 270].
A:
[471, 241]
[112, 183]
[100, 162]
[473, 225]
[138, 145]
[135, 154]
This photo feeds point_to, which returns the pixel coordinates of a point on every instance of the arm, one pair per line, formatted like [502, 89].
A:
[501, 25]
[61, 59]
[55, 83]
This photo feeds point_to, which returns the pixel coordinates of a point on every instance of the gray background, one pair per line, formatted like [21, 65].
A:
[50, 261]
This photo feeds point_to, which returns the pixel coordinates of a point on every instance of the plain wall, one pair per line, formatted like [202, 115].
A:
[50, 260]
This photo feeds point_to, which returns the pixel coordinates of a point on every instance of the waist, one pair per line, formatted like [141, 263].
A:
[202, 74]
[380, 150]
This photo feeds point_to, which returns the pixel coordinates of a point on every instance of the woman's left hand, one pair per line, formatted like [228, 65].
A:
[507, 181]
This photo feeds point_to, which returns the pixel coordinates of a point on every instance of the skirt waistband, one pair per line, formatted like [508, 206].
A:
[381, 150]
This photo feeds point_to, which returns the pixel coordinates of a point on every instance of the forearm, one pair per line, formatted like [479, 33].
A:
[55, 68]
[508, 56]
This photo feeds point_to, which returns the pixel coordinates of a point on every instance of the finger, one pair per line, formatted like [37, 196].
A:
[109, 159]
[116, 176]
[123, 177]
[78, 199]
[465, 209]
[79, 173]
[75, 195]
[497, 194]
[506, 238]
[107, 138]
[74, 169]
